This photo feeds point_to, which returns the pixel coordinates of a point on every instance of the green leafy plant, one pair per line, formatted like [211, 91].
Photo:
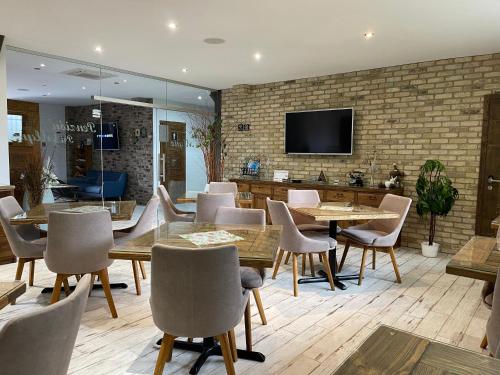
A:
[436, 194]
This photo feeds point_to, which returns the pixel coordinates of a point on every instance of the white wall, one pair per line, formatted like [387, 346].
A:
[4, 141]
[53, 145]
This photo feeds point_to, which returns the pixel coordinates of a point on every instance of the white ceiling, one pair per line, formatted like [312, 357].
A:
[297, 38]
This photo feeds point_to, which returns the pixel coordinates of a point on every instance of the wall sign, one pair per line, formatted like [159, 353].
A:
[244, 127]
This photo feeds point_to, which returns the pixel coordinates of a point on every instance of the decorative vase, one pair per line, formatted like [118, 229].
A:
[429, 251]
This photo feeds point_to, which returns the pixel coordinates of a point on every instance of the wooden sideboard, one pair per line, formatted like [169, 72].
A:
[6, 255]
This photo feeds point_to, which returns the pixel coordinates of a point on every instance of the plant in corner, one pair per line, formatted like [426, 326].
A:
[436, 196]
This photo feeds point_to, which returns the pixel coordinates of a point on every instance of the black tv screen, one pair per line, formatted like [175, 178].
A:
[106, 136]
[319, 132]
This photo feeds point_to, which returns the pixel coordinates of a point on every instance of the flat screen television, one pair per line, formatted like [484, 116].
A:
[324, 132]
[106, 136]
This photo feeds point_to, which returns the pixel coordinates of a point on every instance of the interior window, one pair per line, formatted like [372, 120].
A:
[15, 128]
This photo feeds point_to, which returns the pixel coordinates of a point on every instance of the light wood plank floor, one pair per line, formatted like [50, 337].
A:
[311, 334]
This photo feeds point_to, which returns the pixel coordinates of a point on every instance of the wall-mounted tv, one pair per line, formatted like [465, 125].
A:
[324, 132]
[106, 136]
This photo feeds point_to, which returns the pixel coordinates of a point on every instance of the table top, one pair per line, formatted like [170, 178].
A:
[257, 249]
[9, 291]
[191, 197]
[478, 259]
[358, 212]
[391, 351]
[120, 210]
[495, 223]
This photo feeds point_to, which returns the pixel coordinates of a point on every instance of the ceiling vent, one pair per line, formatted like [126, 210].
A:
[88, 74]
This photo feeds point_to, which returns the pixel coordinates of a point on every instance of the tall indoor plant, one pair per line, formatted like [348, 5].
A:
[436, 196]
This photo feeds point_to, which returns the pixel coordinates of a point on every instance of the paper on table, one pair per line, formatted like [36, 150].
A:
[86, 209]
[337, 206]
[211, 238]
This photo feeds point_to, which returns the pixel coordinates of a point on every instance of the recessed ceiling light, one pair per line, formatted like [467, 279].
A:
[22, 89]
[98, 49]
[84, 88]
[172, 25]
[369, 35]
[125, 81]
[37, 68]
[117, 82]
[200, 97]
[184, 70]
[214, 40]
[44, 84]
[257, 56]
[42, 65]
[47, 94]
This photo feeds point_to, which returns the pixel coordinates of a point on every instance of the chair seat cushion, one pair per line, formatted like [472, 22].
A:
[363, 236]
[39, 246]
[312, 227]
[251, 277]
[120, 237]
[93, 189]
[323, 237]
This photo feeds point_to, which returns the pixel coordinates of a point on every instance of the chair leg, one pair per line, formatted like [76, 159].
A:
[374, 258]
[67, 291]
[311, 264]
[78, 277]
[32, 272]
[165, 354]
[260, 307]
[226, 352]
[287, 259]
[328, 271]
[56, 292]
[295, 268]
[277, 264]
[248, 327]
[136, 278]
[143, 269]
[484, 343]
[232, 345]
[20, 267]
[303, 264]
[362, 268]
[92, 281]
[344, 255]
[395, 264]
[103, 275]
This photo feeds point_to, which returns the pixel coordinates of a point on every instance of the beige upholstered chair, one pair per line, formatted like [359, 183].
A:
[77, 244]
[170, 212]
[146, 222]
[207, 205]
[24, 240]
[305, 198]
[299, 243]
[41, 342]
[223, 187]
[378, 235]
[492, 338]
[251, 278]
[207, 301]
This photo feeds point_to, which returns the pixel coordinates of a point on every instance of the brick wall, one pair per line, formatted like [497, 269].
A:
[409, 113]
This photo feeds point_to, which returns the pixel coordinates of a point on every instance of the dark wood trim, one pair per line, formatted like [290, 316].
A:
[2, 37]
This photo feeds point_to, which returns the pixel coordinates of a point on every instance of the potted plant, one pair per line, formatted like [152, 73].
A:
[37, 178]
[436, 196]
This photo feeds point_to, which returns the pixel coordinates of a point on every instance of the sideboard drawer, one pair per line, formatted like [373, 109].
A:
[243, 187]
[339, 196]
[281, 191]
[369, 199]
[262, 189]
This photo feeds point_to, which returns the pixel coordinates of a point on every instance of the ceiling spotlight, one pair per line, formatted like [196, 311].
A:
[84, 88]
[124, 81]
[184, 70]
[42, 65]
[200, 97]
[214, 40]
[172, 26]
[257, 56]
[44, 85]
[369, 35]
[98, 49]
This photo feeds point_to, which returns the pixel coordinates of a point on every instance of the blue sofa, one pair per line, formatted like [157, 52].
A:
[90, 185]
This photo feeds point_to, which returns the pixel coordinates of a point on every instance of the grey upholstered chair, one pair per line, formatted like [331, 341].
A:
[299, 243]
[251, 278]
[146, 222]
[378, 235]
[77, 244]
[170, 212]
[41, 342]
[223, 187]
[24, 240]
[207, 205]
[207, 301]
[492, 338]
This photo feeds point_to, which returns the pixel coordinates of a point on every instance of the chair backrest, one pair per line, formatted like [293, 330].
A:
[148, 219]
[493, 325]
[8, 209]
[196, 292]
[291, 238]
[229, 215]
[207, 205]
[78, 242]
[303, 198]
[169, 210]
[395, 203]
[223, 187]
[41, 342]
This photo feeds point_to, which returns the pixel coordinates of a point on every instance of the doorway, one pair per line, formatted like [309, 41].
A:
[173, 157]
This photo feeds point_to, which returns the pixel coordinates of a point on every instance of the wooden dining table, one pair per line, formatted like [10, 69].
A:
[243, 199]
[334, 212]
[120, 210]
[478, 259]
[10, 291]
[390, 351]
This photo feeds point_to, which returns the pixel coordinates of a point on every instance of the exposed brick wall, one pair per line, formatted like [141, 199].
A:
[135, 155]
[409, 113]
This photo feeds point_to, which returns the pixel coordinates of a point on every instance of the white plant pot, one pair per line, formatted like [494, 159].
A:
[430, 251]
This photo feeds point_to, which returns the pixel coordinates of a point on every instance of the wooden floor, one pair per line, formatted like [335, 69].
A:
[311, 334]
